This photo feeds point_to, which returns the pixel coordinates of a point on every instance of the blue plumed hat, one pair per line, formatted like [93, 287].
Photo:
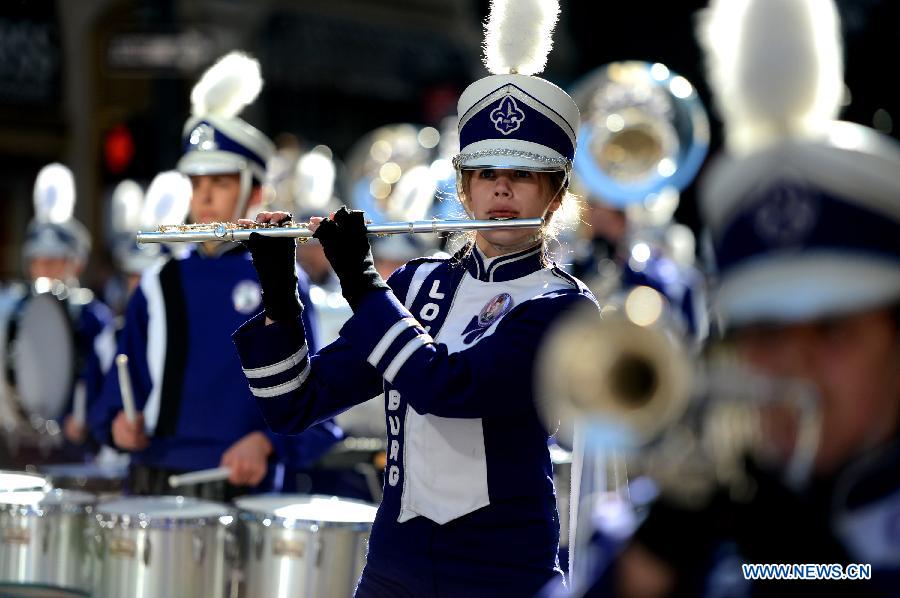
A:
[803, 210]
[54, 231]
[511, 118]
[215, 140]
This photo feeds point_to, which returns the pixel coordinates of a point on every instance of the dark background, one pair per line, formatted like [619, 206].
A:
[103, 85]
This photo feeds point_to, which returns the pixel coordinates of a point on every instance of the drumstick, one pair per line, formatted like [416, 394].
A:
[79, 403]
[199, 477]
[125, 387]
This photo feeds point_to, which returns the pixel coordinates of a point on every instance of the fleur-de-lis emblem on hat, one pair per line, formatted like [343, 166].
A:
[203, 138]
[507, 116]
[786, 216]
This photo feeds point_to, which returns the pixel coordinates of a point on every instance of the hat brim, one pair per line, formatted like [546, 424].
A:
[505, 162]
[802, 288]
[199, 163]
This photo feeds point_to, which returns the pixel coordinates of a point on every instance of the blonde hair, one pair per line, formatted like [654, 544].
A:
[554, 182]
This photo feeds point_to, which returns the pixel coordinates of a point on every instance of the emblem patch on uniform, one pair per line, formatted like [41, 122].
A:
[495, 309]
[246, 296]
[203, 138]
[507, 116]
[492, 311]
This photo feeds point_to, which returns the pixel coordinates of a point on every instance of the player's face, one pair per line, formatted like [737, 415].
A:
[853, 362]
[59, 268]
[215, 197]
[497, 194]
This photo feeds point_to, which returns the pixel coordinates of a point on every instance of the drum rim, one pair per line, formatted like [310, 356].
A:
[40, 509]
[254, 516]
[41, 585]
[143, 521]
[44, 487]
[128, 521]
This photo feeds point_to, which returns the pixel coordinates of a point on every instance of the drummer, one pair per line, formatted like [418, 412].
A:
[196, 410]
[469, 505]
[57, 247]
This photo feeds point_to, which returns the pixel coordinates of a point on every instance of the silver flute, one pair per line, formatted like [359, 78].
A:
[224, 231]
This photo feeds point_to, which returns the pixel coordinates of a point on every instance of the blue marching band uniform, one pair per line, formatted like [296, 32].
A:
[451, 348]
[186, 378]
[55, 234]
[185, 373]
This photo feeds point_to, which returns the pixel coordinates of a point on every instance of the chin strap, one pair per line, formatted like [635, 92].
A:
[244, 197]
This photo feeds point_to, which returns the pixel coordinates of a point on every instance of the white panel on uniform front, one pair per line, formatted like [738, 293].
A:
[446, 471]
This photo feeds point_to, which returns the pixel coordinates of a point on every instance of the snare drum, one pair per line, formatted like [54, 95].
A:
[43, 538]
[297, 545]
[39, 355]
[161, 547]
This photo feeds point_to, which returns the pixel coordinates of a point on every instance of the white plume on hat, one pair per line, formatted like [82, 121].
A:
[226, 87]
[127, 199]
[519, 35]
[775, 67]
[54, 194]
[167, 201]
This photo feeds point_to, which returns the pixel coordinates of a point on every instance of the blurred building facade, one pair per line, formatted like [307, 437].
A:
[101, 85]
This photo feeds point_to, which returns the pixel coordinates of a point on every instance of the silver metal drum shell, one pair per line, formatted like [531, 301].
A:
[46, 543]
[184, 559]
[306, 560]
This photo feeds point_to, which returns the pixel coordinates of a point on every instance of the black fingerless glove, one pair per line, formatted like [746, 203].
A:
[347, 248]
[274, 260]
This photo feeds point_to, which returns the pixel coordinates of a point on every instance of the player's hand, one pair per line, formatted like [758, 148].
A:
[129, 436]
[74, 431]
[275, 262]
[248, 459]
[346, 244]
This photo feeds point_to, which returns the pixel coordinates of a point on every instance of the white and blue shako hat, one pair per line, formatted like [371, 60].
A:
[54, 231]
[166, 202]
[512, 119]
[215, 139]
[804, 210]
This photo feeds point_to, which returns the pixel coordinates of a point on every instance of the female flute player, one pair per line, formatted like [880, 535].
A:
[469, 505]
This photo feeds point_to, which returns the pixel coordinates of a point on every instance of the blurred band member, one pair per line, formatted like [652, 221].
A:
[804, 215]
[196, 409]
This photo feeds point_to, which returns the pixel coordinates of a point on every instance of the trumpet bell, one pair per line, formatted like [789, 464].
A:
[643, 129]
[395, 172]
[628, 381]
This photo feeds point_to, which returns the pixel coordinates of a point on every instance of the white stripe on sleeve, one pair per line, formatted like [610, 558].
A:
[389, 337]
[285, 387]
[277, 368]
[416, 343]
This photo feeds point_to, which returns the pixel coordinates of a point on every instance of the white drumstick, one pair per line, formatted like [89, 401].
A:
[202, 476]
[125, 387]
[79, 403]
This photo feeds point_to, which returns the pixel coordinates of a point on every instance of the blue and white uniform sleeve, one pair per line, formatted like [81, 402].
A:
[388, 338]
[293, 388]
[300, 451]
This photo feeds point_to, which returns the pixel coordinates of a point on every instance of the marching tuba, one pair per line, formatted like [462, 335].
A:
[613, 384]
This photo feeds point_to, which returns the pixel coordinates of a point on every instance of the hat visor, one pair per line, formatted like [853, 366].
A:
[200, 163]
[787, 289]
[513, 154]
[505, 162]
